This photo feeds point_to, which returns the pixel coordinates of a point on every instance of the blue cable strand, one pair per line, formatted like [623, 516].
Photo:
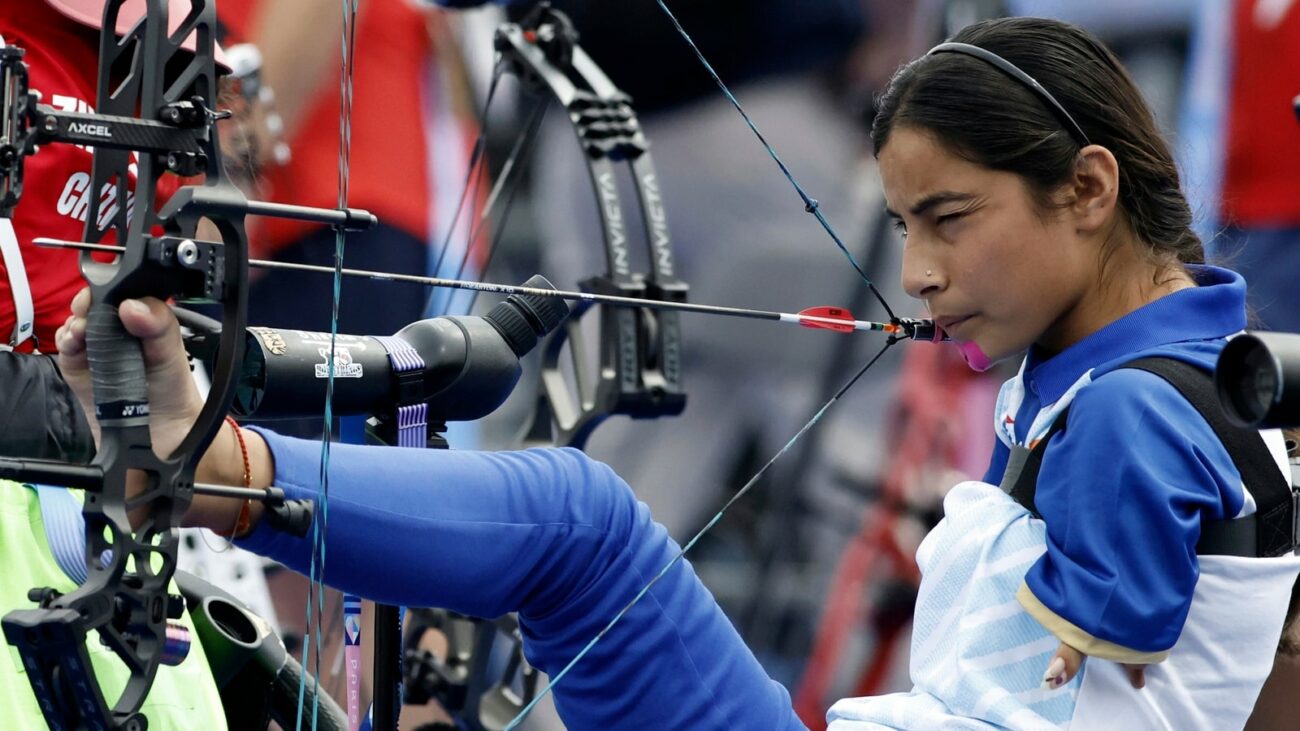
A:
[810, 204]
[316, 577]
[514, 723]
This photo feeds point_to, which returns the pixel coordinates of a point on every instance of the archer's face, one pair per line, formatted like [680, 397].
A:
[1001, 273]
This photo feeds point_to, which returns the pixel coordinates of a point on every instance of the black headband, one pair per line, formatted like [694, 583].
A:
[1010, 69]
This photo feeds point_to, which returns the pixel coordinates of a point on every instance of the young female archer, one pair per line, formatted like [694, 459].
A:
[1043, 217]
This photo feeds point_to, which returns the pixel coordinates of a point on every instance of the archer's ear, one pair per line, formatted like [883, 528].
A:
[1095, 188]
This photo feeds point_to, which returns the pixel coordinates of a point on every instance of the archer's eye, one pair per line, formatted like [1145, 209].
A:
[949, 218]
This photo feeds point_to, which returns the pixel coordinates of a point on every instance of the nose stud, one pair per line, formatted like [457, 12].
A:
[929, 272]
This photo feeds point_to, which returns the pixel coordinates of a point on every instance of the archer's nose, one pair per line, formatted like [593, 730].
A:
[922, 278]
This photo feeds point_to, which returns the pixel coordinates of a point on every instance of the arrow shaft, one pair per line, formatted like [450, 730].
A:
[509, 289]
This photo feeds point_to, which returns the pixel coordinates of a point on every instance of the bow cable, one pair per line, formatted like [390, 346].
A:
[477, 160]
[316, 577]
[749, 484]
[810, 204]
[522, 146]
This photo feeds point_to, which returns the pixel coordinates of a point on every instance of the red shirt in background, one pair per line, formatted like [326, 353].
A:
[1261, 185]
[62, 58]
[391, 116]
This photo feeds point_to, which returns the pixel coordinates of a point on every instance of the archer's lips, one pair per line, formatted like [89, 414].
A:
[948, 323]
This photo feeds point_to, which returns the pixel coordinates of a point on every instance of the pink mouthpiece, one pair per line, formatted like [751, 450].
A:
[975, 358]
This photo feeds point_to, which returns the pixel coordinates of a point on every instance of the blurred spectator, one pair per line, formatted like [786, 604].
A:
[412, 129]
[37, 284]
[1243, 142]
[638, 47]
[1261, 171]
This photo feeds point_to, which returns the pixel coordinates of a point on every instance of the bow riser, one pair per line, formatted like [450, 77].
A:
[125, 596]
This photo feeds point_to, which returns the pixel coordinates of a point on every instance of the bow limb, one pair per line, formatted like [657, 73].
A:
[639, 371]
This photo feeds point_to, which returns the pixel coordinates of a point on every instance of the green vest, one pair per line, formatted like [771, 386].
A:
[182, 697]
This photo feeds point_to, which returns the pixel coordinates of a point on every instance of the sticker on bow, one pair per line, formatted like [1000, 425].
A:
[343, 365]
[273, 340]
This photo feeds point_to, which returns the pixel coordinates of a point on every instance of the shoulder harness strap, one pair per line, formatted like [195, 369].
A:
[1270, 531]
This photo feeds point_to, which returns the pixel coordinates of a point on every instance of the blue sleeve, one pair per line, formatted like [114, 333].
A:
[555, 536]
[1122, 492]
[997, 463]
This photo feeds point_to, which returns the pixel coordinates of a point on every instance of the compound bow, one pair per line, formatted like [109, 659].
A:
[148, 72]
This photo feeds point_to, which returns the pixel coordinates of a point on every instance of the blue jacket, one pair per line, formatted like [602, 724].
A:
[1124, 488]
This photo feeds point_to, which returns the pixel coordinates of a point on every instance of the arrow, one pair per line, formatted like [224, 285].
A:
[835, 319]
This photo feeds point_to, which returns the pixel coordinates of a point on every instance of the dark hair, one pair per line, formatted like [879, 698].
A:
[985, 116]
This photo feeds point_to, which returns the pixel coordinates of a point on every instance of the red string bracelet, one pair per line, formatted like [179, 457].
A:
[246, 512]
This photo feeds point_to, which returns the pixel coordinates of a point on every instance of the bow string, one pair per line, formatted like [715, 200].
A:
[320, 527]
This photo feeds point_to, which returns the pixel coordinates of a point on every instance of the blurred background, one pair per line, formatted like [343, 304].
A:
[815, 566]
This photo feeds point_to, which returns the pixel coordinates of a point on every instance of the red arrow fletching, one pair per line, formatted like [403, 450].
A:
[828, 313]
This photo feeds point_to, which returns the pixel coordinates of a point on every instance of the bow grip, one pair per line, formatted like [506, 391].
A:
[116, 369]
